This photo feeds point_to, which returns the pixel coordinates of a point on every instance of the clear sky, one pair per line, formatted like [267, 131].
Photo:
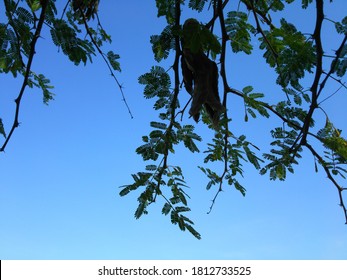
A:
[61, 172]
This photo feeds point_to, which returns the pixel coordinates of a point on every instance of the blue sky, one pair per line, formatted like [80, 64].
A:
[61, 172]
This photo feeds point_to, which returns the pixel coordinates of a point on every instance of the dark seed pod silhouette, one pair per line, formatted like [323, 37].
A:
[200, 76]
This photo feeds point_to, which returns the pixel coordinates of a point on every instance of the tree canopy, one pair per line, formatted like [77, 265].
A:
[302, 63]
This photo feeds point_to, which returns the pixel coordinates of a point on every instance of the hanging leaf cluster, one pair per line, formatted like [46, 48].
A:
[239, 31]
[162, 44]
[72, 32]
[197, 5]
[161, 180]
[294, 55]
[290, 52]
[65, 37]
[168, 184]
[282, 156]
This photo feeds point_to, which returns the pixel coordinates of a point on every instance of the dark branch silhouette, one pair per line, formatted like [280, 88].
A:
[44, 4]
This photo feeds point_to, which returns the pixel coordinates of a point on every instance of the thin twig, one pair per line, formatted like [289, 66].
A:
[250, 6]
[331, 95]
[330, 177]
[220, 189]
[65, 8]
[215, 15]
[225, 38]
[107, 63]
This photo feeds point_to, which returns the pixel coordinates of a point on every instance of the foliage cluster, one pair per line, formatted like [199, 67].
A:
[296, 58]
[70, 32]
[302, 64]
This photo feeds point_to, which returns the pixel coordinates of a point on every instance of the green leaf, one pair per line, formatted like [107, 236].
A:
[141, 209]
[341, 27]
[305, 3]
[339, 65]
[166, 8]
[159, 125]
[210, 184]
[239, 32]
[2, 130]
[166, 209]
[151, 167]
[290, 52]
[251, 102]
[34, 5]
[43, 83]
[157, 83]
[10, 48]
[337, 144]
[179, 209]
[140, 179]
[197, 5]
[126, 190]
[187, 135]
[247, 89]
[163, 43]
[147, 151]
[24, 15]
[280, 172]
[193, 232]
[256, 95]
[174, 217]
[240, 188]
[66, 38]
[174, 200]
[112, 58]
[252, 158]
[182, 197]
[155, 134]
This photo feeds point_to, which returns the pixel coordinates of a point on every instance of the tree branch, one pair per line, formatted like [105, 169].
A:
[250, 6]
[215, 16]
[333, 65]
[330, 177]
[44, 4]
[175, 95]
[319, 70]
[107, 63]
